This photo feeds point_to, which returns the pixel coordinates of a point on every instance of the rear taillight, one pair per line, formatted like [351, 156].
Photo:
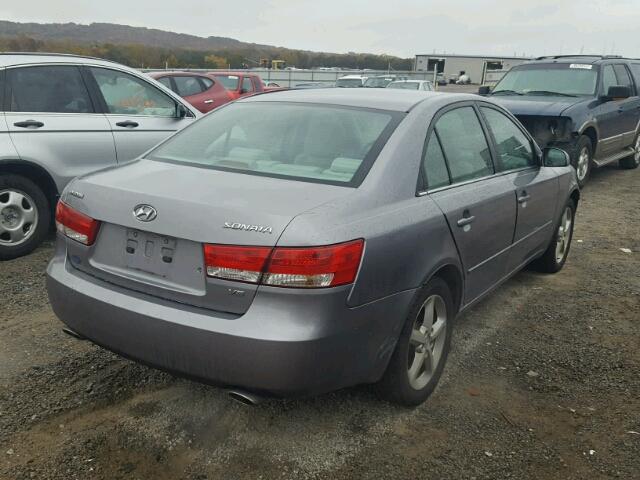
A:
[306, 267]
[75, 225]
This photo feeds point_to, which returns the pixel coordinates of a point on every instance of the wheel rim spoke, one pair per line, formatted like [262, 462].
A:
[416, 366]
[437, 329]
[418, 337]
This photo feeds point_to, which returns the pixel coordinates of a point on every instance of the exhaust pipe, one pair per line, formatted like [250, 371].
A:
[73, 333]
[244, 397]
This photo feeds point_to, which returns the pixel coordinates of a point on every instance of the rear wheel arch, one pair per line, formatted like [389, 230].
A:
[37, 174]
[452, 276]
[575, 196]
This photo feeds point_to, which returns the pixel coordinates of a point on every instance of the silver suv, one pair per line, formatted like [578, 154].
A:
[64, 116]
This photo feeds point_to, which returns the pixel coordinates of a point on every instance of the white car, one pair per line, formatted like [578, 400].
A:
[424, 85]
[351, 81]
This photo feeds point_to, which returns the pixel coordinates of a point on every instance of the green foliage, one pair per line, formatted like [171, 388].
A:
[145, 56]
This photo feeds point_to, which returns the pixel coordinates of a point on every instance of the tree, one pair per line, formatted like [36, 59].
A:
[214, 61]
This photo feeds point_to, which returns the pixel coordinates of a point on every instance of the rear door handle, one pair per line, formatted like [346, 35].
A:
[128, 124]
[523, 198]
[29, 124]
[208, 101]
[466, 221]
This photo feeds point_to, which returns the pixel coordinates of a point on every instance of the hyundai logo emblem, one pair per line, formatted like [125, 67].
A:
[145, 213]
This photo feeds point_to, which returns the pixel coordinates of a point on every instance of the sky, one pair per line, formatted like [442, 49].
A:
[400, 27]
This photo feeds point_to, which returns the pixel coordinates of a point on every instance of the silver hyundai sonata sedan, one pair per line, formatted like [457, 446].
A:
[302, 241]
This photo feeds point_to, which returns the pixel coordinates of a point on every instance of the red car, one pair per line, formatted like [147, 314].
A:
[202, 90]
[240, 84]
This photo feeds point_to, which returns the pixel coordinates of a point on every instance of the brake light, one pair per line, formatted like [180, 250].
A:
[305, 267]
[244, 264]
[75, 225]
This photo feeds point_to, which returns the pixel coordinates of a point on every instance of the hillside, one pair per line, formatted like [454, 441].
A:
[149, 48]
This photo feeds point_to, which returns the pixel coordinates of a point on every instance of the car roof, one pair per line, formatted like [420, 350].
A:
[177, 73]
[8, 59]
[586, 59]
[351, 77]
[382, 99]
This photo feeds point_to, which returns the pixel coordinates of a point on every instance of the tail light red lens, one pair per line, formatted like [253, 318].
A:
[244, 264]
[75, 225]
[307, 267]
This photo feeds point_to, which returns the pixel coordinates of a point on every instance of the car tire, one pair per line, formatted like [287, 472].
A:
[25, 216]
[632, 161]
[556, 254]
[421, 352]
[583, 160]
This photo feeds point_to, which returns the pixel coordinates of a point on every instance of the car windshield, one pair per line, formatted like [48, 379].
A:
[309, 142]
[349, 82]
[404, 85]
[549, 79]
[377, 82]
[230, 82]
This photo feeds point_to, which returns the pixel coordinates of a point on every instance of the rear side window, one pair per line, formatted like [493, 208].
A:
[125, 94]
[166, 81]
[55, 89]
[207, 82]
[513, 147]
[230, 82]
[434, 165]
[464, 144]
[187, 86]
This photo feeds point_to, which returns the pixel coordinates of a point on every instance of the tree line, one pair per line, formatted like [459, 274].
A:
[147, 56]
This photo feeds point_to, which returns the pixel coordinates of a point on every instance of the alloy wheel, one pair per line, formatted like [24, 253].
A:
[583, 164]
[426, 344]
[564, 234]
[18, 217]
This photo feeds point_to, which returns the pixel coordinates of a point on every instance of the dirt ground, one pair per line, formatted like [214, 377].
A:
[543, 382]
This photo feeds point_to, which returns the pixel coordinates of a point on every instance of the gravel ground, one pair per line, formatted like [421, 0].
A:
[543, 382]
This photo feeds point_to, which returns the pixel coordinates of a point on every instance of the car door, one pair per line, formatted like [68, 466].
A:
[191, 89]
[140, 114]
[629, 108]
[608, 116]
[535, 188]
[479, 206]
[53, 121]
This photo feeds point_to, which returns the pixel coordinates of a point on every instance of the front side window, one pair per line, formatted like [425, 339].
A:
[247, 86]
[187, 86]
[464, 144]
[207, 82]
[125, 94]
[312, 142]
[55, 89]
[434, 165]
[549, 79]
[513, 147]
[608, 78]
[623, 77]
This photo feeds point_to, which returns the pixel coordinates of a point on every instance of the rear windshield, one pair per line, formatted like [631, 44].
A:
[559, 78]
[230, 82]
[404, 85]
[310, 142]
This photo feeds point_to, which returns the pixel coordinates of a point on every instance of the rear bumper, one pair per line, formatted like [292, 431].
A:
[288, 342]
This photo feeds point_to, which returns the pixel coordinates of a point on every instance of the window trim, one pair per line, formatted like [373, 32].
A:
[532, 144]
[7, 91]
[422, 187]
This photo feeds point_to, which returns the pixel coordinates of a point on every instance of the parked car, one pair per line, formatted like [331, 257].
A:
[202, 90]
[423, 85]
[587, 105]
[380, 81]
[313, 85]
[68, 116]
[351, 81]
[316, 239]
[240, 84]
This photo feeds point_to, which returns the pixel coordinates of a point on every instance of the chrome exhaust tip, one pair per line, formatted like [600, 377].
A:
[244, 397]
[73, 333]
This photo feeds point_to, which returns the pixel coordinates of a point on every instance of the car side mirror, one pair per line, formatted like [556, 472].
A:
[484, 90]
[181, 111]
[618, 92]
[555, 157]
